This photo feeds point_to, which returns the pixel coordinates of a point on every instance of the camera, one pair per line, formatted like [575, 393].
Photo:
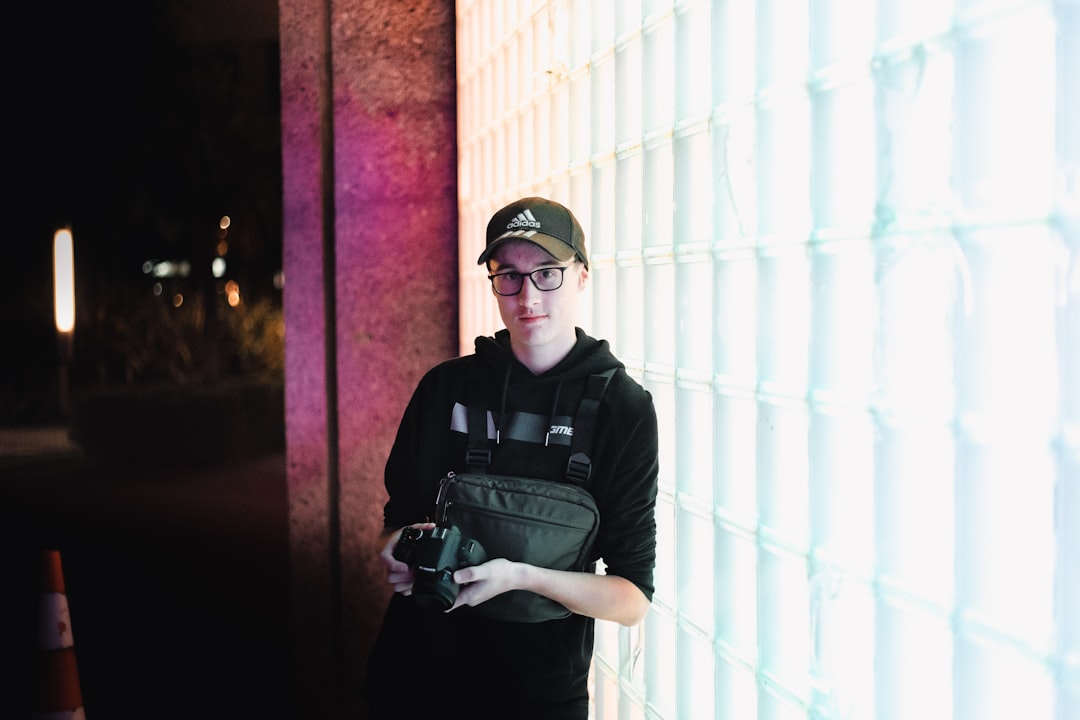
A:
[434, 554]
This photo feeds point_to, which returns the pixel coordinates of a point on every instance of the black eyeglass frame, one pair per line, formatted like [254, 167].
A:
[521, 286]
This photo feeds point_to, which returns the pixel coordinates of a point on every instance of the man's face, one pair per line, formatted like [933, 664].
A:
[537, 318]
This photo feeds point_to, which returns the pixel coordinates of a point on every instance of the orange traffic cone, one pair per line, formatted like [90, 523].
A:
[59, 695]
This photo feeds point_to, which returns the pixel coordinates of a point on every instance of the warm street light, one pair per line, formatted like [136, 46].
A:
[64, 277]
[64, 294]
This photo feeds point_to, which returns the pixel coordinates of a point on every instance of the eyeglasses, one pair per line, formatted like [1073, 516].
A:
[544, 279]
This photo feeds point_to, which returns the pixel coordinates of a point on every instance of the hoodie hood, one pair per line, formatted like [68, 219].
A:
[588, 356]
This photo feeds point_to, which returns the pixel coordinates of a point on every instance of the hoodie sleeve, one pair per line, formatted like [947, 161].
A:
[424, 448]
[627, 486]
[405, 504]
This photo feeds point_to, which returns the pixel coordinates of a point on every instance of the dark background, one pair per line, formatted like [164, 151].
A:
[176, 581]
[138, 124]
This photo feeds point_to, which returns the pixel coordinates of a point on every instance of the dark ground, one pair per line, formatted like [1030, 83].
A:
[176, 579]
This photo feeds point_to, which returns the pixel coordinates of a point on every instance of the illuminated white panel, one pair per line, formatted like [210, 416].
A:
[838, 244]
[1006, 89]
[657, 77]
[628, 92]
[691, 78]
[914, 661]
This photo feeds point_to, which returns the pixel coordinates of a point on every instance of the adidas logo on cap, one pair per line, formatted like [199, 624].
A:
[524, 220]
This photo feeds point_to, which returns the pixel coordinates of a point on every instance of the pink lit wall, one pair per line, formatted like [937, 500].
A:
[369, 162]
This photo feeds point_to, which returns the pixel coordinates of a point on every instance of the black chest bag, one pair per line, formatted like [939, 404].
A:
[546, 523]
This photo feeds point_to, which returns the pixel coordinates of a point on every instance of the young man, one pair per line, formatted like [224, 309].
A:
[453, 662]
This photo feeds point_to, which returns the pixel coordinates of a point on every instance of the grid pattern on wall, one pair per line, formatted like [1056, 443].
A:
[839, 242]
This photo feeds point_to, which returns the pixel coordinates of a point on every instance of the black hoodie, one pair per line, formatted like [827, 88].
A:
[523, 669]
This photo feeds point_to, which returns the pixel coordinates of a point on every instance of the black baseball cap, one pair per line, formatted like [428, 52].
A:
[543, 222]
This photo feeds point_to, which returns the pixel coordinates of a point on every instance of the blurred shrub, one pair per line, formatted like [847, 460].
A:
[254, 340]
[155, 339]
[182, 386]
[179, 424]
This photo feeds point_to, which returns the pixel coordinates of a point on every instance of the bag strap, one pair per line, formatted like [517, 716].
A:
[477, 451]
[578, 467]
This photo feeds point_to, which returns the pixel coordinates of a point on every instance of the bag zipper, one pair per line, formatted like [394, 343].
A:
[519, 518]
[440, 497]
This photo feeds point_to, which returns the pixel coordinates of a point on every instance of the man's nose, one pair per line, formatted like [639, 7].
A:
[529, 294]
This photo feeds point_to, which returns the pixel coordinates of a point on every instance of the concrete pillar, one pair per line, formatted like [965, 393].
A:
[369, 167]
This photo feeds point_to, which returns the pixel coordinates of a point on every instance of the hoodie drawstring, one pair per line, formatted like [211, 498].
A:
[502, 405]
[551, 416]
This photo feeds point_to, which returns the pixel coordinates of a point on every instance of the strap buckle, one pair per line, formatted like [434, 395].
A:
[579, 468]
[478, 456]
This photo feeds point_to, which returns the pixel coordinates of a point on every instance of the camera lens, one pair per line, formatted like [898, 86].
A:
[435, 589]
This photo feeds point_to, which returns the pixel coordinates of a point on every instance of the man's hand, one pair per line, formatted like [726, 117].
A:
[480, 583]
[399, 574]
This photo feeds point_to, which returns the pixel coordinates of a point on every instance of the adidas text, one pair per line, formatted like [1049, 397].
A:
[524, 220]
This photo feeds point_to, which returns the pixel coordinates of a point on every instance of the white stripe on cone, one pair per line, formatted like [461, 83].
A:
[76, 714]
[59, 695]
[54, 631]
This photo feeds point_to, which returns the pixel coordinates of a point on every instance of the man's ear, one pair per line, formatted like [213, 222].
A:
[583, 275]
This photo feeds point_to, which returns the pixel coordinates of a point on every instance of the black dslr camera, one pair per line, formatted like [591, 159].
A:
[434, 554]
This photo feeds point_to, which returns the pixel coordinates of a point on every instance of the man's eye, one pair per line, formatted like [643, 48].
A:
[511, 276]
[547, 273]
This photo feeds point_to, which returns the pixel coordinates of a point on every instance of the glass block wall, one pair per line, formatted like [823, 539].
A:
[839, 243]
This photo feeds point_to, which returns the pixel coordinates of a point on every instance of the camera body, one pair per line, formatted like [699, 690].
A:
[434, 554]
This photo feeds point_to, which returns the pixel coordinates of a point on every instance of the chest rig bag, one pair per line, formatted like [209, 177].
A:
[546, 523]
